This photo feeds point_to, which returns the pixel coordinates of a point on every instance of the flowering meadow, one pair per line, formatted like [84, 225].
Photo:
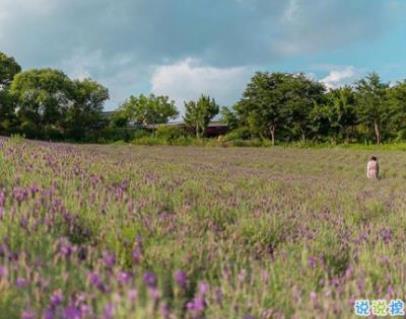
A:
[119, 231]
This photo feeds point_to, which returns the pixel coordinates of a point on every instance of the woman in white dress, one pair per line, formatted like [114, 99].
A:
[373, 168]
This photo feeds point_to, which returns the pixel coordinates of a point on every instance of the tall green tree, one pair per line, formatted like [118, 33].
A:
[84, 115]
[373, 106]
[262, 107]
[397, 102]
[229, 117]
[198, 114]
[276, 101]
[43, 98]
[302, 96]
[8, 69]
[340, 110]
[146, 110]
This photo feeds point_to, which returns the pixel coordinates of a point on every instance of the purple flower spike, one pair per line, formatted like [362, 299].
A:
[181, 279]
[109, 259]
[49, 314]
[71, 312]
[56, 298]
[108, 312]
[28, 314]
[21, 282]
[203, 288]
[124, 277]
[198, 305]
[150, 279]
[96, 281]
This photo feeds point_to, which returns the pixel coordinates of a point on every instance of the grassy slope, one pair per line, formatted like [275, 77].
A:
[279, 232]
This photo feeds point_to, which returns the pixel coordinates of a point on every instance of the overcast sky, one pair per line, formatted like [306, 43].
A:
[183, 48]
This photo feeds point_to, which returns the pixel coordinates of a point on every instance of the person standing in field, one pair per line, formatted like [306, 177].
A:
[373, 168]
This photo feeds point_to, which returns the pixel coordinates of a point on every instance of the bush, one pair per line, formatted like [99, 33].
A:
[241, 133]
[170, 133]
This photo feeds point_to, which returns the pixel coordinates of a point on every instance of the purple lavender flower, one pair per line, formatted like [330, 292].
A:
[137, 255]
[49, 314]
[56, 298]
[28, 314]
[96, 281]
[21, 282]
[150, 279]
[65, 248]
[124, 277]
[108, 312]
[198, 305]
[181, 278]
[165, 311]
[312, 261]
[132, 295]
[71, 312]
[386, 235]
[109, 259]
[203, 288]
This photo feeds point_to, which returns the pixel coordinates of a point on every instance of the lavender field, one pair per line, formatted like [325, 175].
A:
[124, 231]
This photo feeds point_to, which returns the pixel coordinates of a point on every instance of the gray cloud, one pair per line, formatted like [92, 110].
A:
[119, 42]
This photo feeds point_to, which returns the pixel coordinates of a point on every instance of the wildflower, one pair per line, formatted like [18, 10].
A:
[96, 281]
[108, 312]
[198, 305]
[123, 277]
[181, 279]
[21, 282]
[203, 288]
[71, 312]
[386, 235]
[312, 261]
[165, 311]
[150, 279]
[56, 298]
[28, 314]
[65, 248]
[109, 259]
[132, 295]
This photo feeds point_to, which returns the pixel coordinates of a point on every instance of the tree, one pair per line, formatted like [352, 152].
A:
[340, 111]
[397, 103]
[373, 103]
[273, 101]
[230, 118]
[148, 110]
[8, 69]
[302, 95]
[199, 114]
[42, 100]
[85, 114]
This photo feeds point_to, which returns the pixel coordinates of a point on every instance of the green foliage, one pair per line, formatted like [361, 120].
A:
[84, 117]
[147, 110]
[199, 114]
[170, 132]
[242, 133]
[273, 101]
[374, 110]
[8, 69]
[280, 107]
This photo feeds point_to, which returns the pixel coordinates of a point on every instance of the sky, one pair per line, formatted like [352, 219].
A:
[185, 48]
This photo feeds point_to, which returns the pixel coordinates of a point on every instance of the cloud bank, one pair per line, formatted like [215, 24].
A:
[135, 46]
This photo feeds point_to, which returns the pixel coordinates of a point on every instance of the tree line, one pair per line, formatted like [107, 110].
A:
[282, 107]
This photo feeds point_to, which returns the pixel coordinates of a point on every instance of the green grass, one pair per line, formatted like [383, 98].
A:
[267, 227]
